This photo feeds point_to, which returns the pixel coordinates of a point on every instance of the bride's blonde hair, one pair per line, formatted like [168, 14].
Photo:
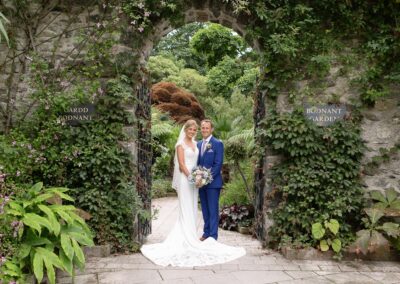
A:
[189, 123]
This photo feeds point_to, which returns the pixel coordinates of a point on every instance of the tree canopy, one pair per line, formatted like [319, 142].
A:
[215, 42]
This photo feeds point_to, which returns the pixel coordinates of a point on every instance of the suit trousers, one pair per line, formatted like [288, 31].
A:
[209, 198]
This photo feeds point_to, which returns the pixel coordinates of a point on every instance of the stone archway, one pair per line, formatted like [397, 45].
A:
[196, 11]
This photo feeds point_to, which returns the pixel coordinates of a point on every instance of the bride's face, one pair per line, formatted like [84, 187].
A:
[191, 132]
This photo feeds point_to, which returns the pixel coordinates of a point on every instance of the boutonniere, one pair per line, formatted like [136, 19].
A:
[208, 146]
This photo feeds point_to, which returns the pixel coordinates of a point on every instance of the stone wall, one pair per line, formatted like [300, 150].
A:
[381, 132]
[59, 35]
[54, 34]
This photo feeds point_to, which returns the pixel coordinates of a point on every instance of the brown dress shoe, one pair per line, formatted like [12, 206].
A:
[202, 238]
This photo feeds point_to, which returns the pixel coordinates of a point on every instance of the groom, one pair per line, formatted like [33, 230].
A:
[211, 156]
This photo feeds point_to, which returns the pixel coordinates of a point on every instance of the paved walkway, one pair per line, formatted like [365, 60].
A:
[258, 266]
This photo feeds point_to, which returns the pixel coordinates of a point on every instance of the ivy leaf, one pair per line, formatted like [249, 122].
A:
[318, 231]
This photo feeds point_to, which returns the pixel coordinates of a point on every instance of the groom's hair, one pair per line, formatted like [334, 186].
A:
[207, 121]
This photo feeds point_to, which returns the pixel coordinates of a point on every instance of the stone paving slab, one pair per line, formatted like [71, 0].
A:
[128, 276]
[350, 277]
[261, 277]
[257, 266]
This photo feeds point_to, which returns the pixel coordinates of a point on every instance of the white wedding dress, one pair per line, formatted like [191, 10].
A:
[182, 246]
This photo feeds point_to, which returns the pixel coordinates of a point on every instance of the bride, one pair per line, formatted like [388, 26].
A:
[182, 246]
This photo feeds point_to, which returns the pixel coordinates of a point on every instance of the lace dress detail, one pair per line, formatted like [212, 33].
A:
[182, 246]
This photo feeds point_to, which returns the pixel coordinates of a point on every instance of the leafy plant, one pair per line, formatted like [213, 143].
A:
[161, 188]
[176, 44]
[237, 152]
[164, 134]
[327, 234]
[50, 234]
[161, 67]
[246, 223]
[370, 96]
[3, 32]
[389, 200]
[215, 42]
[222, 78]
[230, 216]
[234, 191]
[375, 235]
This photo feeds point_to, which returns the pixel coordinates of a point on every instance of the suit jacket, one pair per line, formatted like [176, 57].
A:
[212, 159]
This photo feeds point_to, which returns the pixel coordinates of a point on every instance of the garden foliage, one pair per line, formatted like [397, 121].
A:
[318, 179]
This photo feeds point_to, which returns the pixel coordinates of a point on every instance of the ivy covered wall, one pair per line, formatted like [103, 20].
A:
[62, 54]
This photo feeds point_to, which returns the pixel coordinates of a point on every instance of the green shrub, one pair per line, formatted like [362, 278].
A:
[377, 233]
[161, 188]
[234, 192]
[49, 234]
[327, 234]
[369, 97]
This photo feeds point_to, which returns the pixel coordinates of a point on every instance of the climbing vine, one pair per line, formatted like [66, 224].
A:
[318, 179]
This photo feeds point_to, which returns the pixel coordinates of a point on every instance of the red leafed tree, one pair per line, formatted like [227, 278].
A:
[180, 104]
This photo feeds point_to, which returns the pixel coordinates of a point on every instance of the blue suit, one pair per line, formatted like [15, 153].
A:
[212, 158]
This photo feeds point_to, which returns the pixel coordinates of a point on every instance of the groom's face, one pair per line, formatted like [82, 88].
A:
[206, 129]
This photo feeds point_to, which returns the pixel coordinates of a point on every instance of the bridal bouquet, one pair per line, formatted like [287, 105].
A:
[200, 176]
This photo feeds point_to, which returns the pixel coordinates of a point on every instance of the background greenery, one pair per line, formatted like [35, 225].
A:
[223, 81]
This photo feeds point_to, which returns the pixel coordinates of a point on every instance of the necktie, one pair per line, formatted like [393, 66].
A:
[203, 147]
